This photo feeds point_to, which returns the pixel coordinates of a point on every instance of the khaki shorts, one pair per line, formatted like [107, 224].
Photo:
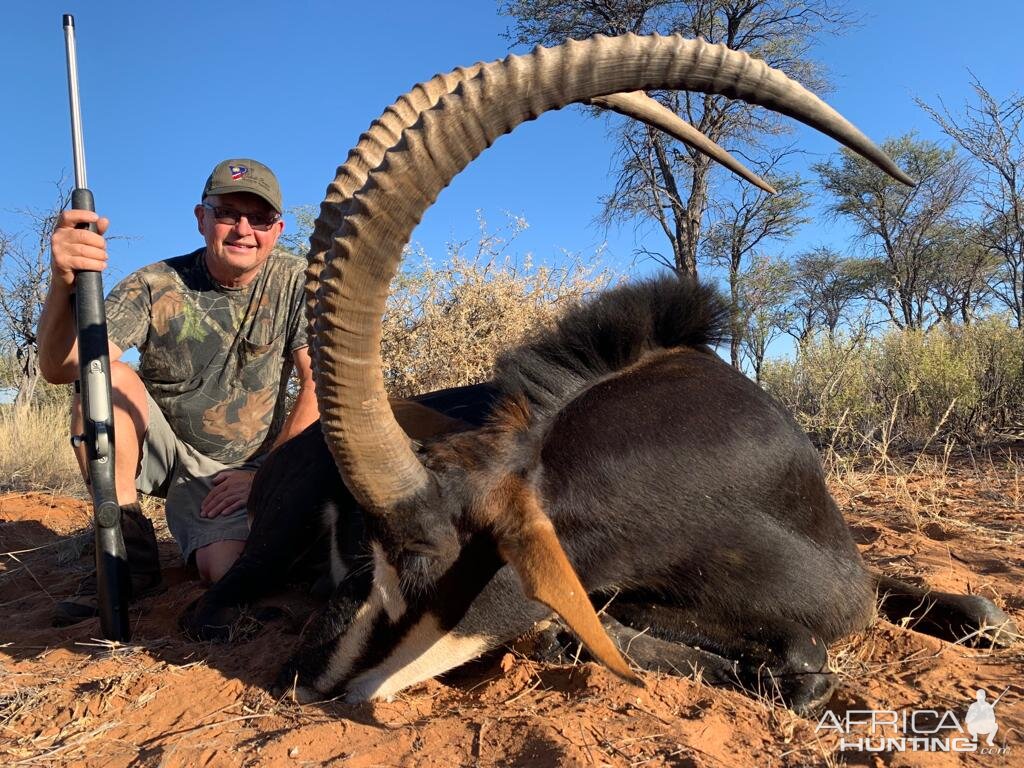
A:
[177, 472]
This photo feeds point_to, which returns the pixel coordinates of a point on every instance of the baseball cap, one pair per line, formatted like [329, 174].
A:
[244, 175]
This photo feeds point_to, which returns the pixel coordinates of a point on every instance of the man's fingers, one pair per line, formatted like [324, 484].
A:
[76, 250]
[230, 492]
[69, 266]
[223, 507]
[75, 216]
[70, 238]
[220, 501]
[214, 500]
[86, 259]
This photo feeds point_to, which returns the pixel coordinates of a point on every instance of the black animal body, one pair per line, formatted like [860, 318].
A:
[685, 497]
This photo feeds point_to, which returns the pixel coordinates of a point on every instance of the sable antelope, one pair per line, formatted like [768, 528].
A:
[620, 458]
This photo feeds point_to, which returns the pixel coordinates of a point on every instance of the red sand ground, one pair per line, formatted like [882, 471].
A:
[66, 699]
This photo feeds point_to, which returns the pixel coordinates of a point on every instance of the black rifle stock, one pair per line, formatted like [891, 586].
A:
[112, 577]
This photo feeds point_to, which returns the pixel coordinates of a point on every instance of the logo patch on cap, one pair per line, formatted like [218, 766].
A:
[237, 171]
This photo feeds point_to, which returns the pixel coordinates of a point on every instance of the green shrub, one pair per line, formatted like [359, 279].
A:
[906, 386]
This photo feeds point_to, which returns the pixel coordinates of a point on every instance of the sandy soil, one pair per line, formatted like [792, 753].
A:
[68, 699]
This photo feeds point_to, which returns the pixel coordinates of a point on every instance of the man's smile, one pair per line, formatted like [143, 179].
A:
[244, 247]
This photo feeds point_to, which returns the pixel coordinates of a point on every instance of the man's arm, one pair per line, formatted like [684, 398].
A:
[305, 410]
[71, 250]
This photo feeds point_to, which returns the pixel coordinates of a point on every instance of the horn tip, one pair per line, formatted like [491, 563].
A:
[630, 677]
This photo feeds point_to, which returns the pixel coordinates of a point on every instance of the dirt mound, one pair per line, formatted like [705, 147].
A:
[69, 699]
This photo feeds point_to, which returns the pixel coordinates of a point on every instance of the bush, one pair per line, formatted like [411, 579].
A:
[964, 382]
[445, 325]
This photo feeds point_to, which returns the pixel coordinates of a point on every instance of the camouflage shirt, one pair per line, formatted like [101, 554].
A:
[216, 360]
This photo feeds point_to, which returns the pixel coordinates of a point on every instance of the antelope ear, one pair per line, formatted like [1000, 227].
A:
[532, 548]
[421, 422]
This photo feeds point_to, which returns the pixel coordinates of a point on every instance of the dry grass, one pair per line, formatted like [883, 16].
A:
[35, 452]
[931, 487]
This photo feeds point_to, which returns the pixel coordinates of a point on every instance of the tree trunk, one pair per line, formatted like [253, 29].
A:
[29, 379]
[685, 229]
[735, 320]
[686, 259]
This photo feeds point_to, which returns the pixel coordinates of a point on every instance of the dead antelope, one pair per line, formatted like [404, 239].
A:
[620, 456]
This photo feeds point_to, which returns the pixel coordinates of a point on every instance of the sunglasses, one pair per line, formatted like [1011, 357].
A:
[261, 222]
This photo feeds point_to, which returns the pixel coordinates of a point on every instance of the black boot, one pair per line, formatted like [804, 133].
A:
[143, 564]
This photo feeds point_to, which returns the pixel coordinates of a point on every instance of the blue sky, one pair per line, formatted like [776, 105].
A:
[169, 90]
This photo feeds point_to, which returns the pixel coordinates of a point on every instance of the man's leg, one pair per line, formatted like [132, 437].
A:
[216, 542]
[214, 560]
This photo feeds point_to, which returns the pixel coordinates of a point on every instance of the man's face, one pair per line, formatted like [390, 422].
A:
[236, 252]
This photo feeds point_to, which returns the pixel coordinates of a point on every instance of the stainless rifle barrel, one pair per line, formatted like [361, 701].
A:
[77, 143]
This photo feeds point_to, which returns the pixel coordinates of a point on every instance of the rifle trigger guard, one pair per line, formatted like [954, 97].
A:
[102, 442]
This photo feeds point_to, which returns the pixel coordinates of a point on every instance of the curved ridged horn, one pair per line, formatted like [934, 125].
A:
[382, 134]
[640, 106]
[386, 130]
[374, 456]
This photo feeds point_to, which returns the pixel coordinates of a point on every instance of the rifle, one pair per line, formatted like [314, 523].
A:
[113, 582]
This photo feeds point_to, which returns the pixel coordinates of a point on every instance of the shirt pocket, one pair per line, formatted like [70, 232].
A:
[260, 363]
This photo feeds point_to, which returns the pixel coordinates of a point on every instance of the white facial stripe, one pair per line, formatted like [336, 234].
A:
[350, 645]
[386, 582]
[425, 652]
[384, 597]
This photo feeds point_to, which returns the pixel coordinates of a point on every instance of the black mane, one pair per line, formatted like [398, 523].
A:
[610, 333]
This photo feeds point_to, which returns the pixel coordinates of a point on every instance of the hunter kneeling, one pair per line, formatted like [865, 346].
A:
[218, 331]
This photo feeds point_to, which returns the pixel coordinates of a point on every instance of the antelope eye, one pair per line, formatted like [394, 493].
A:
[422, 549]
[420, 569]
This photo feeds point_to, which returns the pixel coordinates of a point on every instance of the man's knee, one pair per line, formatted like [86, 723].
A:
[127, 392]
[214, 560]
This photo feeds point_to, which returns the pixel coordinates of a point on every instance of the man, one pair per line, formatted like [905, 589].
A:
[218, 331]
